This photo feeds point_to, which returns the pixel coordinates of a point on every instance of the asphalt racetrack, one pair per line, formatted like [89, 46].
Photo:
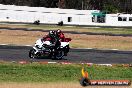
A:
[20, 53]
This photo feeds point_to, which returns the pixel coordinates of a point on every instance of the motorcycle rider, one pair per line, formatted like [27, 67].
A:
[55, 37]
[49, 37]
[52, 38]
[60, 35]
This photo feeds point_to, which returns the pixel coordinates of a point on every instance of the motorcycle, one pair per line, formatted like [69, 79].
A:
[47, 49]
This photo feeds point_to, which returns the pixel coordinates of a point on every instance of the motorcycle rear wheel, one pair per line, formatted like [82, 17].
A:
[59, 55]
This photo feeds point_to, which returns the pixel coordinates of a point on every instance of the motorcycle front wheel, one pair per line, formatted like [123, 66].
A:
[32, 53]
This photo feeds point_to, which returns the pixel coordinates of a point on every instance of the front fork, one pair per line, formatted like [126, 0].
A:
[36, 50]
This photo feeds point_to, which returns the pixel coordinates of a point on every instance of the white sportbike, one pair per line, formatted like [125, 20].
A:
[47, 49]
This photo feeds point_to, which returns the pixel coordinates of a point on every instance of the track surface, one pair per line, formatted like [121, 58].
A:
[9, 53]
[75, 55]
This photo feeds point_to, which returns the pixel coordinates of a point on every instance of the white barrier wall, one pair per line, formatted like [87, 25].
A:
[45, 15]
[112, 20]
[11, 13]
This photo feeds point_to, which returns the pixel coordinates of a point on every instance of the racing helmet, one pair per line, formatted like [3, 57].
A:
[51, 33]
[58, 31]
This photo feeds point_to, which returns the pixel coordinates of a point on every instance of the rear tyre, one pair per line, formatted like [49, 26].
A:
[59, 55]
[66, 50]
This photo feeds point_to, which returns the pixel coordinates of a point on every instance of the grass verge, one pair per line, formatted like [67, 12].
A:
[72, 28]
[36, 72]
[84, 29]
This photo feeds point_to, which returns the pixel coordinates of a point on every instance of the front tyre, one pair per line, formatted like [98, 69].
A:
[32, 53]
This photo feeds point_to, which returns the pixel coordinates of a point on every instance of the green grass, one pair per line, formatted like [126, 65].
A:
[58, 73]
[94, 30]
[75, 28]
